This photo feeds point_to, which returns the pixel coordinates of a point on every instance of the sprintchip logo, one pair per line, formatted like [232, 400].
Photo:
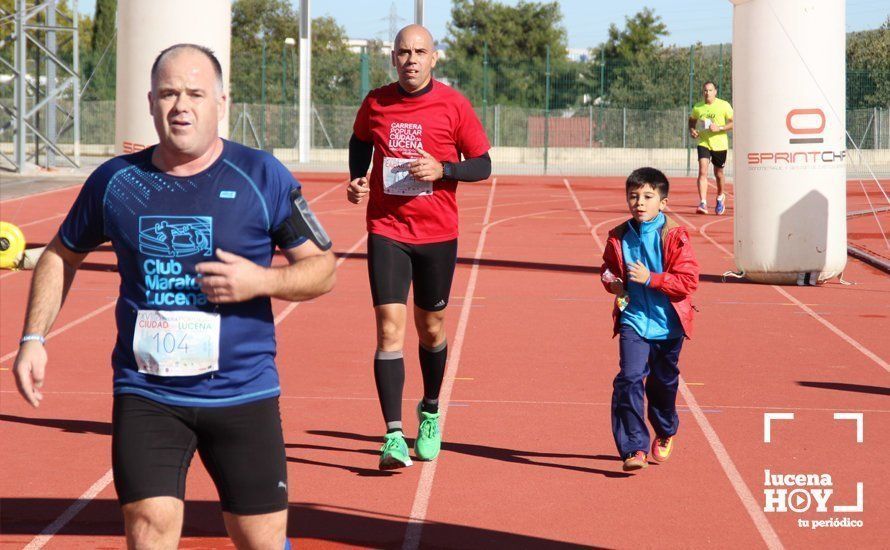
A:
[805, 126]
[800, 121]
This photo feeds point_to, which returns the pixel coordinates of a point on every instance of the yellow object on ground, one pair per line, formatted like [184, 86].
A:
[12, 246]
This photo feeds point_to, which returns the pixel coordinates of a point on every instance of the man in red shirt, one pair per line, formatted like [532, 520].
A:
[417, 129]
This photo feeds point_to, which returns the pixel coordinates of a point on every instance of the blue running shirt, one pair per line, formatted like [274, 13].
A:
[161, 226]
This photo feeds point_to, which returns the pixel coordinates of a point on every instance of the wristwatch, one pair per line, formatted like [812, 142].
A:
[447, 170]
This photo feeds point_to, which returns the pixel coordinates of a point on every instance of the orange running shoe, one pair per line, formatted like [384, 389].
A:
[662, 447]
[635, 461]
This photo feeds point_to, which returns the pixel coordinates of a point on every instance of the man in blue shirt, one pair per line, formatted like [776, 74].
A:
[194, 222]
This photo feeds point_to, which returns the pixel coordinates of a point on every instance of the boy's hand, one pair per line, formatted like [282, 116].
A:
[638, 273]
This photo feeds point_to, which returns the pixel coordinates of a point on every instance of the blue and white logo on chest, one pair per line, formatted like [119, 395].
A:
[175, 236]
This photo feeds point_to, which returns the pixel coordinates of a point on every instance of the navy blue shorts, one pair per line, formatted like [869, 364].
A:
[241, 446]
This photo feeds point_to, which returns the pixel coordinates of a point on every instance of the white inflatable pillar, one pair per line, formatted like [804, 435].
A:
[789, 103]
[144, 29]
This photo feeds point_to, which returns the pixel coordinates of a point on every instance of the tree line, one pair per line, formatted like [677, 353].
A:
[494, 53]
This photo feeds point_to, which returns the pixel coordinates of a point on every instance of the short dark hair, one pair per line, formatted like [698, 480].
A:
[711, 82]
[217, 68]
[648, 176]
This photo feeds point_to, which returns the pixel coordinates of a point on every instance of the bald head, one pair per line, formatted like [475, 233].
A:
[414, 55]
[413, 33]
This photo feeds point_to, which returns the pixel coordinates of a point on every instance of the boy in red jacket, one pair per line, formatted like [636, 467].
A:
[650, 267]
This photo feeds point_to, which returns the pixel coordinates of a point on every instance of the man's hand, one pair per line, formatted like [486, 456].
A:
[357, 189]
[29, 370]
[694, 133]
[231, 279]
[638, 273]
[714, 127]
[426, 168]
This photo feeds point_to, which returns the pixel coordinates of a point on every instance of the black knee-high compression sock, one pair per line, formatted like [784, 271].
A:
[389, 375]
[432, 365]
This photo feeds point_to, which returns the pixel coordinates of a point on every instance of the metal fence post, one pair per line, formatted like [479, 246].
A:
[366, 74]
[263, 97]
[602, 91]
[547, 110]
[691, 78]
[624, 128]
[497, 125]
[485, 85]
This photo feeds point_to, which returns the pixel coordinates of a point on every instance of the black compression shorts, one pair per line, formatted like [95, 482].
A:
[241, 446]
[394, 265]
[718, 158]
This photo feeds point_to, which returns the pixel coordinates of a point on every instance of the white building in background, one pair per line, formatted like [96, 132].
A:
[578, 54]
[356, 45]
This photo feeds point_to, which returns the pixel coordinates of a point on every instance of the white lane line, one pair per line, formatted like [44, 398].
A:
[44, 537]
[754, 511]
[414, 529]
[422, 495]
[682, 218]
[293, 305]
[843, 335]
[42, 193]
[63, 328]
[847, 338]
[35, 222]
[750, 503]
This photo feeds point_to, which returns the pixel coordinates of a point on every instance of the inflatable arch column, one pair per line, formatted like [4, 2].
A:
[144, 29]
[789, 102]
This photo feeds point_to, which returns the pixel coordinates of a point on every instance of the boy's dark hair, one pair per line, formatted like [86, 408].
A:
[648, 176]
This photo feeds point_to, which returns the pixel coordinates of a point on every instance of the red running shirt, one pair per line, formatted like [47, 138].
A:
[442, 123]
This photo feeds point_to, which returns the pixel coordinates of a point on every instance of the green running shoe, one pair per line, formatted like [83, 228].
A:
[394, 453]
[429, 437]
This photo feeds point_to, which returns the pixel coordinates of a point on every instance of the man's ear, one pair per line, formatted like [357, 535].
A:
[149, 103]
[392, 58]
[223, 103]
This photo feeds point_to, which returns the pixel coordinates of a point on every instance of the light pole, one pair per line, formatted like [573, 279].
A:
[262, 37]
[305, 80]
[289, 42]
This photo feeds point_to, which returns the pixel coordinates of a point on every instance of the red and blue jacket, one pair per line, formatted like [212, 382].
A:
[679, 277]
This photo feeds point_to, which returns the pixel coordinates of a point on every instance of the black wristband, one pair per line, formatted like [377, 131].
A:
[448, 170]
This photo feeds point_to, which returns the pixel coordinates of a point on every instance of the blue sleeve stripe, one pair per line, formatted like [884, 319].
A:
[198, 401]
[256, 190]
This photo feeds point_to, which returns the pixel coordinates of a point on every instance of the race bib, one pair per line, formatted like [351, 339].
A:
[176, 343]
[397, 180]
[706, 123]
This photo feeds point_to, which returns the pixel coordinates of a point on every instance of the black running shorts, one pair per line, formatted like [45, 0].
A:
[241, 446]
[718, 158]
[393, 266]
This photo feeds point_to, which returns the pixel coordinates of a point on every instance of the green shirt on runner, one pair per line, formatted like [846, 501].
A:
[719, 113]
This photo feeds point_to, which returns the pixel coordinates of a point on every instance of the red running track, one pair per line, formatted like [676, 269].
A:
[528, 459]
